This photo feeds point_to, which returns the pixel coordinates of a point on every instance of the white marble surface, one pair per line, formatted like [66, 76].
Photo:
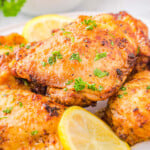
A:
[138, 8]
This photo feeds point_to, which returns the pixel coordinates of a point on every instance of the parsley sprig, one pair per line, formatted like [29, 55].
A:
[91, 24]
[80, 85]
[100, 74]
[100, 55]
[11, 8]
[55, 55]
[75, 56]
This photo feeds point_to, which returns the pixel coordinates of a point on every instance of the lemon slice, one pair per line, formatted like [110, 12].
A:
[39, 28]
[80, 130]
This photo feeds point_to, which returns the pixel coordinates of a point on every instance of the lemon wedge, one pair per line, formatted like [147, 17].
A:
[39, 28]
[81, 130]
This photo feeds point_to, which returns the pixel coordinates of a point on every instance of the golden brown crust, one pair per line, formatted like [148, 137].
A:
[129, 115]
[116, 34]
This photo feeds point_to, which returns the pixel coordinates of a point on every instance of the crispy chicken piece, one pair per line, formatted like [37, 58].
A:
[128, 113]
[86, 61]
[27, 120]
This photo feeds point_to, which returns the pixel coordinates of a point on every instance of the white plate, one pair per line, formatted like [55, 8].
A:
[18, 29]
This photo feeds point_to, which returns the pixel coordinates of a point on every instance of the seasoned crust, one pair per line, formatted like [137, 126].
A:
[129, 115]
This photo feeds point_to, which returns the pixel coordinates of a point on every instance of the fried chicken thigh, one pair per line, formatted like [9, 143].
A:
[85, 62]
[128, 113]
[27, 120]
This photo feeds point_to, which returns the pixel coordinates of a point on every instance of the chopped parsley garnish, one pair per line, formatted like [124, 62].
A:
[34, 132]
[3, 117]
[125, 93]
[7, 53]
[7, 110]
[25, 82]
[138, 50]
[79, 84]
[28, 46]
[22, 45]
[120, 96]
[65, 89]
[148, 87]
[111, 35]
[100, 55]
[55, 55]
[43, 63]
[99, 73]
[92, 87]
[90, 24]
[20, 104]
[75, 56]
[100, 88]
[67, 33]
[69, 82]
[123, 88]
[112, 43]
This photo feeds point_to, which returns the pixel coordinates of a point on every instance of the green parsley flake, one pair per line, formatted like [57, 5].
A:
[34, 132]
[69, 82]
[90, 24]
[28, 46]
[112, 43]
[125, 93]
[100, 55]
[138, 50]
[43, 63]
[22, 45]
[7, 110]
[120, 96]
[20, 104]
[25, 82]
[7, 53]
[3, 117]
[55, 55]
[111, 35]
[148, 87]
[99, 73]
[92, 87]
[100, 88]
[75, 56]
[123, 88]
[65, 89]
[79, 84]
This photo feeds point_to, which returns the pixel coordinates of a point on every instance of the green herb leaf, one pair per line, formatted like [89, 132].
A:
[28, 46]
[92, 87]
[21, 45]
[112, 43]
[34, 132]
[43, 63]
[99, 73]
[7, 53]
[20, 104]
[90, 24]
[69, 82]
[65, 89]
[11, 7]
[3, 117]
[100, 55]
[79, 84]
[123, 88]
[148, 87]
[25, 82]
[75, 56]
[125, 93]
[120, 96]
[100, 88]
[55, 55]
[7, 110]
[138, 50]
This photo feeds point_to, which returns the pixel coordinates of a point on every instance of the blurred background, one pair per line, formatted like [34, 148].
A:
[27, 9]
